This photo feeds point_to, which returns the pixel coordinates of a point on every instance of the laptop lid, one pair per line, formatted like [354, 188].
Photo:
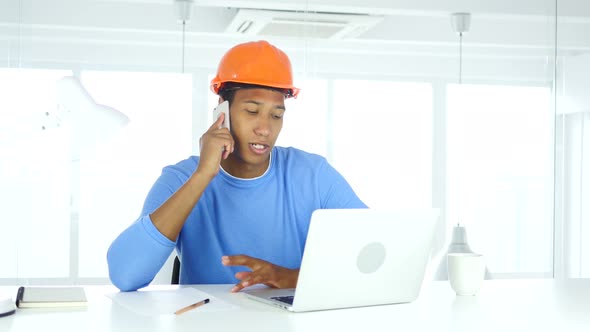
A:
[361, 257]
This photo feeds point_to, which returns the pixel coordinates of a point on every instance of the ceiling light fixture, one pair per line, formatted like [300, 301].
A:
[183, 13]
[461, 23]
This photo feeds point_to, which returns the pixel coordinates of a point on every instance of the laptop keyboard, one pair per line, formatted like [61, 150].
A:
[284, 299]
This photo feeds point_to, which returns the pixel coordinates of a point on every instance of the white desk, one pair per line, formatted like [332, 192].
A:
[501, 305]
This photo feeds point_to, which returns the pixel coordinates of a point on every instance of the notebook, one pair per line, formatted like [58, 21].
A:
[43, 297]
[358, 257]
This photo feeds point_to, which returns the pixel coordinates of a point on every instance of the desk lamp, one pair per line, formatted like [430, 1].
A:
[458, 245]
[90, 123]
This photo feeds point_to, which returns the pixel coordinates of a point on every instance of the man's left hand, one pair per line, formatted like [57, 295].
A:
[262, 272]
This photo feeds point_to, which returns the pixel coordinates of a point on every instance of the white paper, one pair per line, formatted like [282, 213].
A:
[166, 302]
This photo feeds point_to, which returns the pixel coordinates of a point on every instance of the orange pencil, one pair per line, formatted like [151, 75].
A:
[191, 307]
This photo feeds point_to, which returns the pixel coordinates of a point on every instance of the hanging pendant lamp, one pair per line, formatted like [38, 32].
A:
[460, 23]
[183, 13]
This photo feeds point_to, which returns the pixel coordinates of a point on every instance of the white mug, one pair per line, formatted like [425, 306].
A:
[466, 272]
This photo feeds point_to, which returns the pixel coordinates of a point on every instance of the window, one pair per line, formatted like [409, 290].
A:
[572, 195]
[115, 179]
[378, 134]
[306, 120]
[64, 210]
[35, 176]
[382, 141]
[500, 174]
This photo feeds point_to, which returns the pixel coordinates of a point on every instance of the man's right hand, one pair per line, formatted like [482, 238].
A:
[215, 144]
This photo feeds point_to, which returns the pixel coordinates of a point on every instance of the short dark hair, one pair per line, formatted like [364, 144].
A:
[228, 90]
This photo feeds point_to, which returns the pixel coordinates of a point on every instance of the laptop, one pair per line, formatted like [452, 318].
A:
[358, 257]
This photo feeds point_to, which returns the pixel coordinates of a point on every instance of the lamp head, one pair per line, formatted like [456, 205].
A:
[74, 98]
[183, 9]
[461, 22]
[459, 241]
[90, 122]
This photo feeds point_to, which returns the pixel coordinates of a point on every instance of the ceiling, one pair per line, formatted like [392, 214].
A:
[520, 30]
[494, 21]
[387, 7]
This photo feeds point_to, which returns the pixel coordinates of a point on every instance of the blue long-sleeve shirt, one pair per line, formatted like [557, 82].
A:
[265, 217]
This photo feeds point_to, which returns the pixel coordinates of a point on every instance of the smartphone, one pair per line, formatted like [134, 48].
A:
[222, 108]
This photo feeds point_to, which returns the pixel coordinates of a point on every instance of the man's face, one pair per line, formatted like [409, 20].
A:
[256, 117]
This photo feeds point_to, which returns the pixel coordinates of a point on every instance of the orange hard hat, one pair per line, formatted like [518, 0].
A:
[258, 63]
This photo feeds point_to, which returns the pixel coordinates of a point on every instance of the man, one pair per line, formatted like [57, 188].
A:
[239, 212]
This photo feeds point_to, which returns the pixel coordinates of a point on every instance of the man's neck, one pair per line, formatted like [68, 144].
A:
[240, 169]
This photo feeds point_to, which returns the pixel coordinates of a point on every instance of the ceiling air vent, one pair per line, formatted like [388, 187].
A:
[301, 24]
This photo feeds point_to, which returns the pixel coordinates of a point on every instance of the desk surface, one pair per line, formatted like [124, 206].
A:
[501, 305]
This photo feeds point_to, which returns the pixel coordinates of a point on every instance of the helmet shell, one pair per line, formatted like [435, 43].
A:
[258, 63]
